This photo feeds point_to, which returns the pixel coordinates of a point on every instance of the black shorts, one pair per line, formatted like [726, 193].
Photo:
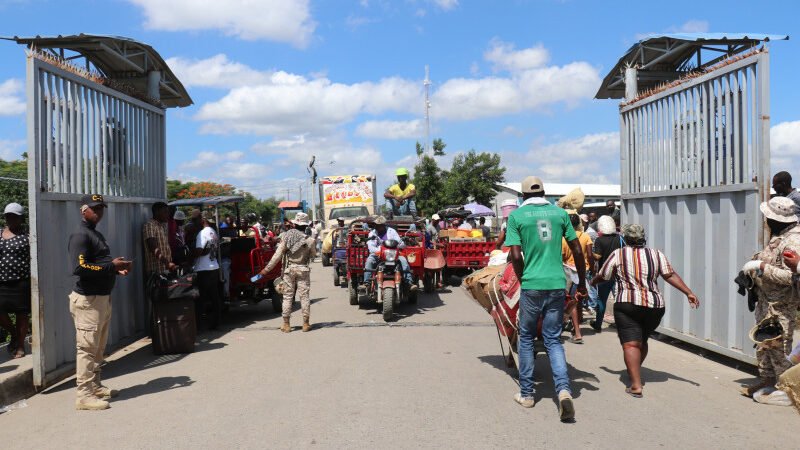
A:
[636, 323]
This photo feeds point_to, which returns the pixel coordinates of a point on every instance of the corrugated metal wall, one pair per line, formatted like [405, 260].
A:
[85, 138]
[695, 167]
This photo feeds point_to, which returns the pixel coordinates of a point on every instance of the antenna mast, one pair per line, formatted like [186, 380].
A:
[427, 84]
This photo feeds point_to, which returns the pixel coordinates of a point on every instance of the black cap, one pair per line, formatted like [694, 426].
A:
[92, 200]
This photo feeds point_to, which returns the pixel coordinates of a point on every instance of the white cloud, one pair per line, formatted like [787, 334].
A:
[11, 149]
[11, 103]
[529, 90]
[293, 104]
[206, 159]
[217, 71]
[693, 26]
[445, 5]
[784, 143]
[505, 57]
[275, 20]
[592, 158]
[391, 129]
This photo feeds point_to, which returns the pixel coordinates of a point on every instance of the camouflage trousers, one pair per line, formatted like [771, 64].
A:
[298, 281]
[772, 362]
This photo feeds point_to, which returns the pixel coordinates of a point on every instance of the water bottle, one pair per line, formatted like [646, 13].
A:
[256, 278]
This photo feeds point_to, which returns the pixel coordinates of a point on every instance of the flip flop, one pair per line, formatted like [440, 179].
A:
[576, 341]
[633, 394]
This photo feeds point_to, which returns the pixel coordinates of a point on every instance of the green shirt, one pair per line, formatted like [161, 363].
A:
[538, 229]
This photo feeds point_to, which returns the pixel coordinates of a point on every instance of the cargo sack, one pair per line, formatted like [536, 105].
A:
[573, 200]
[477, 285]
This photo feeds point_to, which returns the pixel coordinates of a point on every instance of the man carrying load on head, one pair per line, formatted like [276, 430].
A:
[400, 197]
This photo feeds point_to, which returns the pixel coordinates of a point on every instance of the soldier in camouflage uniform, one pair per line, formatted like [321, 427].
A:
[300, 250]
[777, 296]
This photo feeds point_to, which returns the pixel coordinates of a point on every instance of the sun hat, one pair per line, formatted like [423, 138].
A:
[301, 219]
[532, 185]
[179, 215]
[401, 171]
[780, 209]
[14, 208]
[606, 225]
[633, 232]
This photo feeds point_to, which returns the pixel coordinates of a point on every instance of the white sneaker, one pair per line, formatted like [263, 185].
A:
[526, 402]
[772, 396]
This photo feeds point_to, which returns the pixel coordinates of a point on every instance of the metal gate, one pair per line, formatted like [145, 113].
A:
[86, 138]
[695, 167]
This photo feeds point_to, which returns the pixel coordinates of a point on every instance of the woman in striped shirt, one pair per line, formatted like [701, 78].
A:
[639, 305]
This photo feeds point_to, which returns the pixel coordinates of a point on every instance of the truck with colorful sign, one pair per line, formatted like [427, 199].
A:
[347, 197]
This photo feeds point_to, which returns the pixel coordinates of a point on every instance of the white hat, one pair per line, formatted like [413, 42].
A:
[179, 215]
[436, 217]
[14, 208]
[779, 209]
[301, 219]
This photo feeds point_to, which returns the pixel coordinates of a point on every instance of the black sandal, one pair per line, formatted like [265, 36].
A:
[633, 394]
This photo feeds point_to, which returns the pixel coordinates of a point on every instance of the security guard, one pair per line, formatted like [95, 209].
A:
[90, 301]
[300, 251]
[776, 296]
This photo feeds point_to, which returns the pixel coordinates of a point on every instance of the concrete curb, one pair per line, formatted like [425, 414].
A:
[17, 387]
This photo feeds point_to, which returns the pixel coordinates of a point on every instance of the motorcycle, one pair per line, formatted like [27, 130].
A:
[388, 287]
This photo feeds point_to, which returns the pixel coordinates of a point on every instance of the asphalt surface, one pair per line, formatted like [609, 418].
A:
[433, 378]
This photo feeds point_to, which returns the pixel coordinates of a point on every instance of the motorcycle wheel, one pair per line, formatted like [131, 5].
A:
[352, 290]
[335, 276]
[389, 297]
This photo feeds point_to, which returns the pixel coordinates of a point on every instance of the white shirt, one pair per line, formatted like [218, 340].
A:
[209, 261]
[374, 245]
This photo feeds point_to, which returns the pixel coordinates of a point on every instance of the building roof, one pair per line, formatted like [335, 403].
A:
[207, 201]
[117, 58]
[560, 189]
[289, 205]
[663, 58]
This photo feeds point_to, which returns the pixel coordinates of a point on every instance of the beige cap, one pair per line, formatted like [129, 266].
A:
[780, 209]
[532, 185]
[380, 220]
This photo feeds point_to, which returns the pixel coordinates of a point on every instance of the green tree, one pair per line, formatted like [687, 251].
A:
[429, 184]
[11, 189]
[473, 176]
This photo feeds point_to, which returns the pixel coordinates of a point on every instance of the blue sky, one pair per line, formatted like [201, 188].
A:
[276, 81]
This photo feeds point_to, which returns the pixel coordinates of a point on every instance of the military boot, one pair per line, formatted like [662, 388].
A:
[286, 327]
[91, 404]
[306, 325]
[749, 390]
[105, 393]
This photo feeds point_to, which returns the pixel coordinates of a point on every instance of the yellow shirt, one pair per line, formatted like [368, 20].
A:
[566, 252]
[397, 192]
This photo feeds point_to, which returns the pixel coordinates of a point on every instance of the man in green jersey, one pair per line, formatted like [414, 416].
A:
[534, 233]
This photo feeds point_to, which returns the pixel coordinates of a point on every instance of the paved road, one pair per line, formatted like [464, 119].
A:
[432, 379]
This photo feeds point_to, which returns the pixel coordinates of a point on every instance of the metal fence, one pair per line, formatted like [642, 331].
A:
[86, 138]
[695, 166]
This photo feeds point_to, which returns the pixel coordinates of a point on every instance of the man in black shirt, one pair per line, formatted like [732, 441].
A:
[90, 301]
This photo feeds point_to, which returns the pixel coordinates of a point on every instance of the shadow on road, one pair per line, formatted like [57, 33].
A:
[9, 368]
[648, 375]
[579, 380]
[154, 387]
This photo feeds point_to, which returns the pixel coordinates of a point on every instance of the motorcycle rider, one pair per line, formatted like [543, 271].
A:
[400, 197]
[376, 237]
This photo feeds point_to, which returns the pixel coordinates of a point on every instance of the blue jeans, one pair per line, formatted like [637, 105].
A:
[592, 302]
[372, 264]
[408, 208]
[603, 290]
[550, 304]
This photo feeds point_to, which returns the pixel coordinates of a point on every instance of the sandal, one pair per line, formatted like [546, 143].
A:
[575, 340]
[633, 394]
[20, 353]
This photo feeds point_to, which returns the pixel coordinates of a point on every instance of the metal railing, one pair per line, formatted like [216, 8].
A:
[95, 140]
[705, 132]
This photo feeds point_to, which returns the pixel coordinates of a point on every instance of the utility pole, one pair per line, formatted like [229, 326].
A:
[427, 84]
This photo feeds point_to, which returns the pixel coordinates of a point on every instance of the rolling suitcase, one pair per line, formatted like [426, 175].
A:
[174, 322]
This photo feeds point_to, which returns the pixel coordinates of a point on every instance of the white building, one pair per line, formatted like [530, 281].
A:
[596, 194]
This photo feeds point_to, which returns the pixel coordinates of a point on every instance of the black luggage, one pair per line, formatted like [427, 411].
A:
[174, 322]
